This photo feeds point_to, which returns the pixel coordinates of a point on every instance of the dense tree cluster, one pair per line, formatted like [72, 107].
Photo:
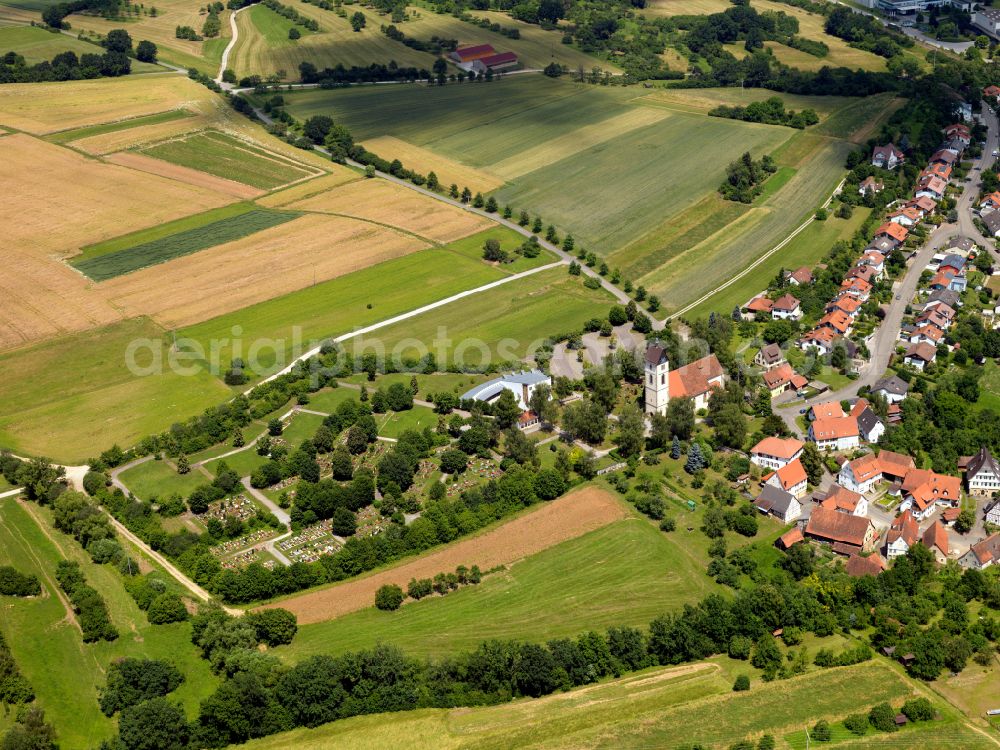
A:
[14, 688]
[66, 66]
[745, 178]
[15, 583]
[434, 46]
[771, 111]
[91, 611]
[132, 681]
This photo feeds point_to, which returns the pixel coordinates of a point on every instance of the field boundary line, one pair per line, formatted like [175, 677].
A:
[795, 233]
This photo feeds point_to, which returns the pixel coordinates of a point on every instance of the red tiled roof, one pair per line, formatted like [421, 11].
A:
[786, 302]
[838, 527]
[838, 320]
[793, 536]
[778, 447]
[895, 464]
[865, 468]
[860, 565]
[834, 429]
[842, 499]
[760, 304]
[476, 52]
[827, 410]
[802, 275]
[936, 536]
[893, 230]
[791, 474]
[904, 527]
[693, 379]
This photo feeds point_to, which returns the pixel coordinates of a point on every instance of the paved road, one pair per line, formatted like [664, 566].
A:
[967, 201]
[884, 342]
[956, 47]
[229, 47]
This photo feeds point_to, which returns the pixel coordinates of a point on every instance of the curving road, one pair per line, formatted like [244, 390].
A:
[884, 341]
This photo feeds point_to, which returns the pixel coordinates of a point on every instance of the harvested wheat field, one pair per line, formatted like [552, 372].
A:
[286, 196]
[42, 216]
[422, 160]
[50, 107]
[142, 135]
[186, 175]
[575, 141]
[566, 518]
[383, 202]
[264, 265]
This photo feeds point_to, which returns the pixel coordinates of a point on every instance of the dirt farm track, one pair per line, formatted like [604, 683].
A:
[566, 518]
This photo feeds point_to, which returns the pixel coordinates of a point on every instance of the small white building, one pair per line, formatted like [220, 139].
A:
[836, 434]
[861, 475]
[521, 384]
[774, 453]
[774, 501]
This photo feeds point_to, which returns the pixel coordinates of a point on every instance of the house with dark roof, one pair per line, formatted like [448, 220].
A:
[920, 355]
[982, 474]
[769, 357]
[776, 502]
[993, 513]
[870, 427]
[892, 388]
[521, 384]
[842, 529]
[992, 222]
[498, 63]
[887, 157]
[944, 296]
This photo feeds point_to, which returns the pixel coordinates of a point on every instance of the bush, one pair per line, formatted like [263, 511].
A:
[742, 683]
[883, 718]
[132, 681]
[167, 608]
[275, 627]
[821, 731]
[918, 709]
[856, 724]
[15, 583]
[389, 597]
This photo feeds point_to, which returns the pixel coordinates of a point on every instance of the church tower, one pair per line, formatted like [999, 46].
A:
[657, 379]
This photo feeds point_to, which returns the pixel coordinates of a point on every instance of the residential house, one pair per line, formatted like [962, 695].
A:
[882, 245]
[894, 414]
[697, 380]
[939, 316]
[870, 185]
[932, 187]
[791, 478]
[949, 279]
[982, 555]
[892, 388]
[843, 500]
[950, 515]
[937, 170]
[876, 261]
[894, 466]
[858, 288]
[820, 339]
[935, 539]
[925, 205]
[953, 261]
[777, 502]
[943, 297]
[992, 92]
[926, 334]
[887, 157]
[865, 565]
[835, 434]
[920, 355]
[847, 305]
[521, 384]
[908, 217]
[774, 452]
[826, 410]
[837, 321]
[960, 132]
[993, 514]
[925, 491]
[769, 357]
[862, 475]
[944, 156]
[992, 222]
[800, 276]
[892, 232]
[760, 304]
[903, 534]
[847, 533]
[870, 427]
[783, 378]
[991, 201]
[982, 474]
[865, 273]
[786, 307]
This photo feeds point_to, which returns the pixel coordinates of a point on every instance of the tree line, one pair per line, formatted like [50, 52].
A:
[68, 66]
[771, 111]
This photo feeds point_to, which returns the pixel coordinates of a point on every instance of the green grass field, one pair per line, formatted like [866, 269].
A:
[625, 573]
[230, 158]
[158, 479]
[111, 264]
[504, 323]
[658, 708]
[47, 645]
[73, 397]
[337, 306]
[393, 424]
[36, 44]
[65, 136]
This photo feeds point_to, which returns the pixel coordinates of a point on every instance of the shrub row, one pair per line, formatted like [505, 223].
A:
[92, 612]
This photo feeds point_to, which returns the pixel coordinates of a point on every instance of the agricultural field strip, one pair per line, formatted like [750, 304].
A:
[158, 251]
[540, 528]
[76, 134]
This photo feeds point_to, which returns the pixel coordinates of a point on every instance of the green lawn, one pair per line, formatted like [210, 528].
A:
[989, 387]
[335, 307]
[658, 708]
[394, 423]
[472, 248]
[158, 479]
[328, 399]
[302, 426]
[228, 157]
[143, 255]
[65, 136]
[274, 27]
[47, 646]
[625, 573]
[505, 323]
[73, 397]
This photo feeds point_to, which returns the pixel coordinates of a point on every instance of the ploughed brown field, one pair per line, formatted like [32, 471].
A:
[568, 517]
